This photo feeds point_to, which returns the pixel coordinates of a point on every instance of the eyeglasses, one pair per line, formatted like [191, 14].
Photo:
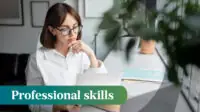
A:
[67, 31]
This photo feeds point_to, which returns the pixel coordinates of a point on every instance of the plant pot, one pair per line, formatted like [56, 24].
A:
[147, 46]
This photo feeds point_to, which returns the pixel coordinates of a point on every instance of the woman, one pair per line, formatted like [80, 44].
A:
[63, 54]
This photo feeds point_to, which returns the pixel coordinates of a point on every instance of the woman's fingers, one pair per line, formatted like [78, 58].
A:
[77, 47]
[72, 43]
[75, 109]
[57, 108]
[69, 107]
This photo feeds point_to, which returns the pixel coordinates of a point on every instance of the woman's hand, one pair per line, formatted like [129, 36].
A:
[68, 108]
[79, 45]
[110, 108]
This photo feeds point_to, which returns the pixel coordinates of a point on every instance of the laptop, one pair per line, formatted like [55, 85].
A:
[99, 79]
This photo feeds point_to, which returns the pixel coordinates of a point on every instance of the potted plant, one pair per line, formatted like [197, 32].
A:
[178, 32]
[147, 46]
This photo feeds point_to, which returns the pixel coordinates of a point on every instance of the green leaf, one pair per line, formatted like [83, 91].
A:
[172, 13]
[149, 34]
[191, 8]
[173, 75]
[129, 46]
[135, 27]
[168, 3]
[112, 36]
[132, 6]
[108, 22]
[192, 22]
[109, 18]
[116, 7]
[130, 16]
[152, 15]
[124, 15]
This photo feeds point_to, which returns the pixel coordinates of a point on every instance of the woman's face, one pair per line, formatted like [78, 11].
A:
[68, 31]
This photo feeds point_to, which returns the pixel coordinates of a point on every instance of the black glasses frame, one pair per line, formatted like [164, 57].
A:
[70, 30]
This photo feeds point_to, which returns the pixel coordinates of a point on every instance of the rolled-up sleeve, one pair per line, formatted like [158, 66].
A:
[86, 65]
[34, 77]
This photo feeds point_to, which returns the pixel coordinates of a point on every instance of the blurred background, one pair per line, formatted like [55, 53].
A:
[21, 22]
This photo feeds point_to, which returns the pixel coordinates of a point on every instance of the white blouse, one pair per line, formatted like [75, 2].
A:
[49, 67]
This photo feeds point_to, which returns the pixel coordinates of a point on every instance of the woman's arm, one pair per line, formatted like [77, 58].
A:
[91, 64]
[112, 108]
[90, 58]
[94, 63]
[34, 77]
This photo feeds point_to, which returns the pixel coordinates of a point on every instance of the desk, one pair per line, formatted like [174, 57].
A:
[116, 61]
[135, 89]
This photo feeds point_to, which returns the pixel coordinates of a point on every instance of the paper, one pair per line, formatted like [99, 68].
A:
[142, 74]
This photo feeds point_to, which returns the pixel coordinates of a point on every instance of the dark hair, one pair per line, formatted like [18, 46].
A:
[55, 17]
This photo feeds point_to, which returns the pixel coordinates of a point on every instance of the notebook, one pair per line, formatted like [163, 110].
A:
[143, 74]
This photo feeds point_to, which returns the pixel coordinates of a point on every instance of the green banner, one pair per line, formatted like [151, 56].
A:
[90, 95]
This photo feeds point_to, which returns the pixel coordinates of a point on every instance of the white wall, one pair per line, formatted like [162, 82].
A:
[23, 39]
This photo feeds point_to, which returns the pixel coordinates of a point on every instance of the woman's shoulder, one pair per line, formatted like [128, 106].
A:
[39, 52]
